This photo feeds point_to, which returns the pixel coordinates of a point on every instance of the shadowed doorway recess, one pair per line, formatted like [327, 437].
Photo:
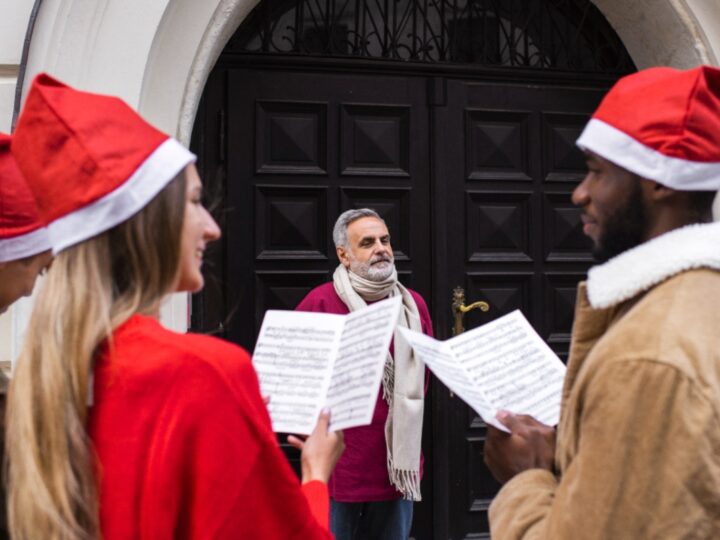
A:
[456, 121]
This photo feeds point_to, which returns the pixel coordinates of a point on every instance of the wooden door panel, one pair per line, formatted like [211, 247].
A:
[560, 292]
[496, 144]
[513, 238]
[375, 140]
[504, 291]
[290, 137]
[284, 289]
[291, 223]
[301, 148]
[498, 226]
[562, 161]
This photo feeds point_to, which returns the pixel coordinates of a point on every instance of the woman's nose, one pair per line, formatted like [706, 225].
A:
[212, 230]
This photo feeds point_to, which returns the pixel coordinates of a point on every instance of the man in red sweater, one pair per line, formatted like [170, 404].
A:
[378, 477]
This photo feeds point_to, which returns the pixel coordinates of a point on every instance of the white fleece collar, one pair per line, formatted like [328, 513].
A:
[642, 267]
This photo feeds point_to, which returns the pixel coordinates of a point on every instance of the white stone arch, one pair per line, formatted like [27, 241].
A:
[666, 32]
[157, 55]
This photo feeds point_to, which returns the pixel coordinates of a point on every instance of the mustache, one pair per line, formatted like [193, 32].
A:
[380, 258]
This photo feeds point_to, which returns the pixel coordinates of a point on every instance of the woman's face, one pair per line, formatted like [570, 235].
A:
[199, 228]
[17, 278]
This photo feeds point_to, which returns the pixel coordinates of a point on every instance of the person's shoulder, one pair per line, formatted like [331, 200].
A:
[204, 353]
[682, 305]
[323, 298]
[196, 344]
[675, 324]
[180, 354]
[322, 291]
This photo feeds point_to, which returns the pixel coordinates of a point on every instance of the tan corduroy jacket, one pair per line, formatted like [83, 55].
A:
[638, 445]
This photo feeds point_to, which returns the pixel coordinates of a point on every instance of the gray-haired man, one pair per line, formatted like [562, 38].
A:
[378, 477]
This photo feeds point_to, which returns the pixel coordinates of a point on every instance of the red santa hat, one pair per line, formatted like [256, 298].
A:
[90, 160]
[21, 232]
[662, 124]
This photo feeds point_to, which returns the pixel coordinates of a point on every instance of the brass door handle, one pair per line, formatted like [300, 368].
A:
[460, 309]
[483, 306]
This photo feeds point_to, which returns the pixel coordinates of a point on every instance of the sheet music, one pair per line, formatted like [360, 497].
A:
[507, 364]
[440, 359]
[359, 366]
[293, 358]
[306, 361]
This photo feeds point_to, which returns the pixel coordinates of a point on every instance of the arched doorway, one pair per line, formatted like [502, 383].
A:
[457, 122]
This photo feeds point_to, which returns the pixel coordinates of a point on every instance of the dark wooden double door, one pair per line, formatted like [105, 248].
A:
[473, 179]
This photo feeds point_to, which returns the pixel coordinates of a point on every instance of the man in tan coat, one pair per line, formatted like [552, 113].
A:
[637, 452]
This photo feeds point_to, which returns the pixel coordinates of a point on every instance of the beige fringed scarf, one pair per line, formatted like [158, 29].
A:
[403, 379]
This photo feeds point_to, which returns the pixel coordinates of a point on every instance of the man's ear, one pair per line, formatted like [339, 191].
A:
[656, 192]
[342, 255]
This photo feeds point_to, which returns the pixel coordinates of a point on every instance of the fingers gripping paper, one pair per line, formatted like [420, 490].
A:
[501, 365]
[306, 361]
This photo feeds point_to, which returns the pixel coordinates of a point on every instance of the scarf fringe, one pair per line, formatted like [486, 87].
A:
[406, 482]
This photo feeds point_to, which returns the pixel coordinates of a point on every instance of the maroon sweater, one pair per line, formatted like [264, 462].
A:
[361, 474]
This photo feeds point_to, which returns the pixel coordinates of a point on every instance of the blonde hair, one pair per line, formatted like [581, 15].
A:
[91, 289]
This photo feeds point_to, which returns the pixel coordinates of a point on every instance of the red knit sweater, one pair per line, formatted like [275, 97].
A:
[185, 447]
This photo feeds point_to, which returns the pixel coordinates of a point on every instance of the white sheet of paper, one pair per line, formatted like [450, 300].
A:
[293, 359]
[438, 356]
[358, 369]
[505, 364]
[306, 361]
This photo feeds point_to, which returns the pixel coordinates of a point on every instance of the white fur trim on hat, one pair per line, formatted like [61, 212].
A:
[148, 180]
[642, 267]
[24, 245]
[617, 146]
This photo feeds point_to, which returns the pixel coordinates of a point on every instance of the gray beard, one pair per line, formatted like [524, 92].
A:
[372, 272]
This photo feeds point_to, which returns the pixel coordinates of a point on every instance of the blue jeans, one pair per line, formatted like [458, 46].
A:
[382, 520]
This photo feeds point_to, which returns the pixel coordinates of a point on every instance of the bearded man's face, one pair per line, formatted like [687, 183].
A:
[368, 253]
[614, 214]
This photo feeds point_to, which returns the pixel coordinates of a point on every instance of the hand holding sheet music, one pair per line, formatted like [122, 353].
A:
[307, 361]
[501, 365]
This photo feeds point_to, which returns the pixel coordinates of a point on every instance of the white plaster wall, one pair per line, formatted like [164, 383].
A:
[97, 45]
[13, 23]
[8, 79]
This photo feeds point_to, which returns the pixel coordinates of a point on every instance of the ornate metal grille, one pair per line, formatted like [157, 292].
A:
[541, 34]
